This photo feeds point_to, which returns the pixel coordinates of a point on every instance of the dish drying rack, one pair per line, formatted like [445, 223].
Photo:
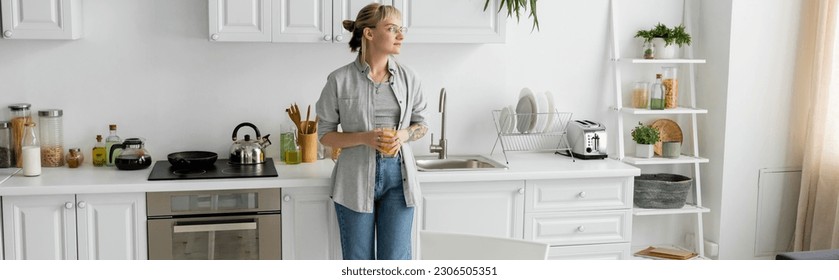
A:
[552, 138]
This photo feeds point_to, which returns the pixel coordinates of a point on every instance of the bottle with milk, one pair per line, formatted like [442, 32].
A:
[30, 151]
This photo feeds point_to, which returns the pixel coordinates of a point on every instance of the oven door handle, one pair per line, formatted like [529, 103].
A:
[215, 227]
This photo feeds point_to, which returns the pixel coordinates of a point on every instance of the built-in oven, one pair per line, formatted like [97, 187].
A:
[217, 224]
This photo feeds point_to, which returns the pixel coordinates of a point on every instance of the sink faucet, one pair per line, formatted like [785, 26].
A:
[442, 146]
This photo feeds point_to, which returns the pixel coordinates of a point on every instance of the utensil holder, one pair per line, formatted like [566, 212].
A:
[308, 146]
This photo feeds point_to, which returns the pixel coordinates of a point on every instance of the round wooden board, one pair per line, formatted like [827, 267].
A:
[668, 131]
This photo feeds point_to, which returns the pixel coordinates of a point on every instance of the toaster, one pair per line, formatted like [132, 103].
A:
[587, 139]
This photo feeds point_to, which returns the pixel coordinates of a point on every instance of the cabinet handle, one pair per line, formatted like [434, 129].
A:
[214, 37]
[7, 33]
[287, 198]
[82, 204]
[327, 38]
[581, 195]
[521, 190]
[339, 38]
[68, 205]
[581, 228]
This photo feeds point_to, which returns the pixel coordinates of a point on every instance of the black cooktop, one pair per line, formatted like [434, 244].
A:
[222, 169]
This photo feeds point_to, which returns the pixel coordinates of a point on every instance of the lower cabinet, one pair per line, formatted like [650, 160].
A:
[83, 226]
[310, 227]
[482, 208]
[589, 218]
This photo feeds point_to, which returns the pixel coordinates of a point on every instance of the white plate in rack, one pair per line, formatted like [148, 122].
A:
[541, 109]
[552, 110]
[508, 119]
[525, 122]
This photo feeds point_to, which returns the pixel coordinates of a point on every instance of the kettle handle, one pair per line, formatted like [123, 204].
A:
[113, 149]
[236, 130]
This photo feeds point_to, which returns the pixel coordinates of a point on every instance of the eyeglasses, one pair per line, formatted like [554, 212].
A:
[393, 29]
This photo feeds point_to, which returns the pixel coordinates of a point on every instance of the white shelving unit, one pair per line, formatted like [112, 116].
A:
[688, 109]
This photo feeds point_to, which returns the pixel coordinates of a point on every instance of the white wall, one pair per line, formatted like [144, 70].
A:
[762, 58]
[715, 30]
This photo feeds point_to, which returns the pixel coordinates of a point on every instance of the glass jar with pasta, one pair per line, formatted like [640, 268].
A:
[21, 115]
[671, 87]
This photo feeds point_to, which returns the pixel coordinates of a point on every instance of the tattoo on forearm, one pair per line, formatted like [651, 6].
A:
[416, 131]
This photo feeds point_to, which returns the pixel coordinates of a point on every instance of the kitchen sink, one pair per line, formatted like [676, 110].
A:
[457, 163]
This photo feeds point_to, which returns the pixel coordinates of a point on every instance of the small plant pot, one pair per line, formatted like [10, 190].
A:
[671, 149]
[662, 51]
[648, 50]
[644, 150]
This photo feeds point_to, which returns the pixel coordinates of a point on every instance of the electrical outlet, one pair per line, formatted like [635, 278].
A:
[712, 249]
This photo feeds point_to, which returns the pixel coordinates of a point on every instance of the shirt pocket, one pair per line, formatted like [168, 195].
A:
[351, 113]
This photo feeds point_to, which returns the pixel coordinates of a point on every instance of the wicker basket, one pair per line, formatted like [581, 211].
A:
[661, 191]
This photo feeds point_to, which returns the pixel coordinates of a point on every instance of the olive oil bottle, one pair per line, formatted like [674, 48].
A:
[112, 139]
[657, 94]
[99, 157]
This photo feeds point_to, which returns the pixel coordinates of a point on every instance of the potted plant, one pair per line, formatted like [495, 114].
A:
[516, 7]
[644, 136]
[662, 38]
[647, 46]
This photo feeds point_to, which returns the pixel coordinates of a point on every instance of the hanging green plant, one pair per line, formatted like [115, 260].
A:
[517, 7]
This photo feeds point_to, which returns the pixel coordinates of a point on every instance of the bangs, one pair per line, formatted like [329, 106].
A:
[388, 11]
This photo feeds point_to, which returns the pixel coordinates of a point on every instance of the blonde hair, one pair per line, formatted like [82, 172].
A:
[368, 17]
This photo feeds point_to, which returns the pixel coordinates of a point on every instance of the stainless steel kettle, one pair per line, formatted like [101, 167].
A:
[248, 151]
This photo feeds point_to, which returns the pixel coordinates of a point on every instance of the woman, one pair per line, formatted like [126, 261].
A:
[374, 194]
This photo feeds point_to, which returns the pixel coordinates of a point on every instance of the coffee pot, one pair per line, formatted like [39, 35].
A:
[247, 150]
[130, 155]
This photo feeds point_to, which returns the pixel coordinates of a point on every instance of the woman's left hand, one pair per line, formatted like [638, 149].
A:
[392, 145]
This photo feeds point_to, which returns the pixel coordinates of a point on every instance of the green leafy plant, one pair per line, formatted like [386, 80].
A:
[673, 35]
[645, 134]
[679, 36]
[517, 7]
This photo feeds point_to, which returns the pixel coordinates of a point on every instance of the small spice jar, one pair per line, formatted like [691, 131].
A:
[75, 158]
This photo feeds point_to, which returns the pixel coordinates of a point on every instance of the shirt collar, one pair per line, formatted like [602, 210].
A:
[364, 67]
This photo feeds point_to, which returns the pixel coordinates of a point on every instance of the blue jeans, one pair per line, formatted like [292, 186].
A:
[384, 234]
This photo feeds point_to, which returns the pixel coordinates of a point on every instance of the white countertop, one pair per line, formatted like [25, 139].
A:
[90, 179]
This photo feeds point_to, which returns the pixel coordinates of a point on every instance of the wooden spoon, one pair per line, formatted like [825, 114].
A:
[308, 124]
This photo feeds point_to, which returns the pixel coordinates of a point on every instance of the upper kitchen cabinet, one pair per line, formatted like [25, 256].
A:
[447, 21]
[283, 21]
[240, 20]
[42, 19]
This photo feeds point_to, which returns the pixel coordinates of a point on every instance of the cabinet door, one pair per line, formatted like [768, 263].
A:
[447, 21]
[302, 20]
[112, 226]
[42, 19]
[310, 227]
[483, 208]
[39, 227]
[348, 9]
[240, 20]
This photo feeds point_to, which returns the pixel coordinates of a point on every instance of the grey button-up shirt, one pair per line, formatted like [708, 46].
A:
[347, 99]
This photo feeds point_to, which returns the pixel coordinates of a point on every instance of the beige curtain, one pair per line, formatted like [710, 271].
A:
[816, 128]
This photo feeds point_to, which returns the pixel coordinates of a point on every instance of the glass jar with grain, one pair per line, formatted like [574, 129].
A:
[640, 95]
[21, 115]
[52, 137]
[671, 87]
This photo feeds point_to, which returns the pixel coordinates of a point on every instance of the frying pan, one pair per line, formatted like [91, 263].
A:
[192, 159]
